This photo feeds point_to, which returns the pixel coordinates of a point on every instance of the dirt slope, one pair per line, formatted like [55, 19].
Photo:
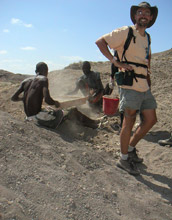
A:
[70, 173]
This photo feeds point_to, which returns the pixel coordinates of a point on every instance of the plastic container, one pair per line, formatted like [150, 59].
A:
[110, 105]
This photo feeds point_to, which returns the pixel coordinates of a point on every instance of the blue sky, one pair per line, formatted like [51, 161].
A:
[60, 32]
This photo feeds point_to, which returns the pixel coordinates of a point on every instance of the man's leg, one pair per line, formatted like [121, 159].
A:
[128, 123]
[125, 162]
[121, 118]
[150, 119]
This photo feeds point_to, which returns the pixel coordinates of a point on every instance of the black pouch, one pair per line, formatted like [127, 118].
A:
[49, 119]
[124, 78]
[119, 77]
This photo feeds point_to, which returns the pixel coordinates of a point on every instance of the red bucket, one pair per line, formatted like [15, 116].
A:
[110, 105]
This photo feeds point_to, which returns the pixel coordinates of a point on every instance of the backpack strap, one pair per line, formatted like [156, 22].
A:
[114, 69]
[147, 53]
[128, 41]
[136, 64]
[130, 35]
[149, 42]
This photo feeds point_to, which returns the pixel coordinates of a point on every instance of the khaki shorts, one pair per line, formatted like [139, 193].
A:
[131, 99]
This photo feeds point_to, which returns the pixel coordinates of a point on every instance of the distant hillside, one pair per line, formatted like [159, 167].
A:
[8, 76]
[166, 53]
[164, 57]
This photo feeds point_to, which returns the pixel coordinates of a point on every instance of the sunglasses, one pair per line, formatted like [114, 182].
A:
[146, 13]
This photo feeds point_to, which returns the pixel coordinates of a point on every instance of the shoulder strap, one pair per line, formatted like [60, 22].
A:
[128, 41]
[130, 35]
[149, 42]
[148, 37]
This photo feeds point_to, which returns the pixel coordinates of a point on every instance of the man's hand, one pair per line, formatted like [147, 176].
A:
[121, 65]
[91, 98]
[16, 99]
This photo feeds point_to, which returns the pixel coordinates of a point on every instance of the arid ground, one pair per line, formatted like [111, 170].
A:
[70, 173]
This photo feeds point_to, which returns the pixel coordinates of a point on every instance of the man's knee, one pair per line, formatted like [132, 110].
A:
[129, 115]
[153, 121]
[150, 117]
[129, 119]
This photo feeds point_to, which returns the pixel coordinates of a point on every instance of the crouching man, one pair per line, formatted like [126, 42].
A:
[35, 90]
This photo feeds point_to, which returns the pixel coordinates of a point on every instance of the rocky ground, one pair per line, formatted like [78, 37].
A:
[70, 173]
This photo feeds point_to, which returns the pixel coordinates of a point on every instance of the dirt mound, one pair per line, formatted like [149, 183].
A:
[11, 77]
[70, 173]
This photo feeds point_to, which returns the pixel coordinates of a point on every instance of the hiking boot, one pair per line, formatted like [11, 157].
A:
[134, 156]
[165, 142]
[129, 166]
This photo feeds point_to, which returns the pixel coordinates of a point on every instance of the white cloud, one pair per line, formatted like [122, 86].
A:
[3, 52]
[28, 25]
[28, 48]
[6, 31]
[17, 21]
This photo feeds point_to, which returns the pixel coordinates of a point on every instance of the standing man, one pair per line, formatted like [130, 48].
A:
[138, 96]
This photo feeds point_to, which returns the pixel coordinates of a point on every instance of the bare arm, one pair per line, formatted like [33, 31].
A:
[47, 96]
[16, 97]
[103, 47]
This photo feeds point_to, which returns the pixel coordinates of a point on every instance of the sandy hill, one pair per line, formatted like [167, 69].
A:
[70, 173]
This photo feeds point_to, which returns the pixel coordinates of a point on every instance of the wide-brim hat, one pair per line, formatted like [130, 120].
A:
[154, 12]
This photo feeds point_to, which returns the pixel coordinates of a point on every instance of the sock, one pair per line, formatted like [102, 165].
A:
[124, 156]
[130, 148]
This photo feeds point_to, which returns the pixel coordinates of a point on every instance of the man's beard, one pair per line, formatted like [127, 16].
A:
[142, 24]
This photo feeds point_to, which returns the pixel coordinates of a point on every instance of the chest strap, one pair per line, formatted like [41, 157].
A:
[139, 76]
[136, 64]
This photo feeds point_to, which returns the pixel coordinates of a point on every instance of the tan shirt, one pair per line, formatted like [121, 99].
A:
[135, 53]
